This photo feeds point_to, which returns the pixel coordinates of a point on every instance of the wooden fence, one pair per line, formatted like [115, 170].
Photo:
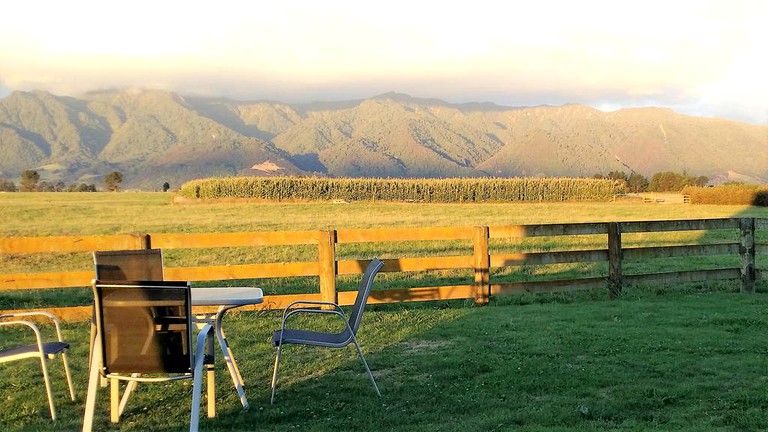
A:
[482, 260]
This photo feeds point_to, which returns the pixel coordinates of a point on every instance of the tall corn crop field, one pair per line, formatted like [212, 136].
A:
[453, 190]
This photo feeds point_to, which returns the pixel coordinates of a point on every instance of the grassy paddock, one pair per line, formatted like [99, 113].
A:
[690, 357]
[60, 214]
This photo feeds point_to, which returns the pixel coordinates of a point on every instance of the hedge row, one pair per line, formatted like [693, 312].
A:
[416, 190]
[728, 194]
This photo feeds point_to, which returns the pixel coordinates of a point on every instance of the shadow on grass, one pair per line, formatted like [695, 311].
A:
[672, 363]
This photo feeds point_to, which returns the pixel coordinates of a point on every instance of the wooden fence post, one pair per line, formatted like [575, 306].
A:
[747, 252]
[481, 265]
[327, 265]
[615, 275]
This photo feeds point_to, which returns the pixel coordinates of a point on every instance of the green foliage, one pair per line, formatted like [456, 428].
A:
[634, 183]
[29, 179]
[637, 183]
[7, 186]
[82, 187]
[112, 181]
[455, 190]
[734, 193]
[166, 186]
[668, 181]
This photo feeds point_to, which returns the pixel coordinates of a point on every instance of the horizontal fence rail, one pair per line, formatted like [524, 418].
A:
[482, 260]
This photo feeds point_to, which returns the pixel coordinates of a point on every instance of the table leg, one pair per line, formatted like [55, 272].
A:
[210, 376]
[94, 379]
[229, 358]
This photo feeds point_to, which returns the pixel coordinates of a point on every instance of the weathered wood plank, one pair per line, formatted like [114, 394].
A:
[272, 302]
[348, 267]
[482, 265]
[547, 286]
[515, 231]
[327, 265]
[25, 281]
[542, 258]
[679, 225]
[640, 253]
[215, 240]
[24, 245]
[686, 276]
[747, 253]
[451, 292]
[615, 258]
[404, 234]
[245, 271]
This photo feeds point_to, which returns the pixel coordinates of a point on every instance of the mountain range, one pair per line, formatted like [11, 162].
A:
[154, 136]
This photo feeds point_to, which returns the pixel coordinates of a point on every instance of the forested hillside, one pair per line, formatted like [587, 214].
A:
[155, 136]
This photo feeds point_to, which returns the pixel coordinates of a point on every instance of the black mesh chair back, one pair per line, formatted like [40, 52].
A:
[135, 265]
[130, 337]
[133, 346]
[363, 290]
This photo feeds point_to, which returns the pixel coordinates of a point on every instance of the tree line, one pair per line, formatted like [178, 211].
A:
[666, 181]
[30, 182]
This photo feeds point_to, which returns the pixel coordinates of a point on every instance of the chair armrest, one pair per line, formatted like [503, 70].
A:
[52, 317]
[290, 307]
[292, 312]
[31, 325]
[311, 303]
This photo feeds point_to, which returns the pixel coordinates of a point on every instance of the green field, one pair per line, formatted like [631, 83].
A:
[62, 214]
[44, 214]
[690, 358]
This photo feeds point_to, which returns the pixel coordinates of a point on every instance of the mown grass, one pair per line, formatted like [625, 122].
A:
[690, 357]
[685, 359]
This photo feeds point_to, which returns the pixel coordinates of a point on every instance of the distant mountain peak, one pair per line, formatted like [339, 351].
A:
[153, 136]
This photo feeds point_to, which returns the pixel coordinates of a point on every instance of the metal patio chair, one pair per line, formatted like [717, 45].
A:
[130, 347]
[132, 265]
[40, 349]
[126, 265]
[331, 340]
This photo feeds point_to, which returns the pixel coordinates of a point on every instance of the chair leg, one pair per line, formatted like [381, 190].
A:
[274, 372]
[130, 386]
[65, 360]
[114, 400]
[94, 382]
[197, 378]
[48, 390]
[365, 363]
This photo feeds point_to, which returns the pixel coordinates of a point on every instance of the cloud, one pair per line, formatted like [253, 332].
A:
[701, 56]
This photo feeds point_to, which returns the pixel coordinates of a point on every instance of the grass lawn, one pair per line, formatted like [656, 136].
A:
[691, 359]
[662, 358]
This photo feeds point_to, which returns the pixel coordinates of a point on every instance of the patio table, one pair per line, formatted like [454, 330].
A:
[226, 298]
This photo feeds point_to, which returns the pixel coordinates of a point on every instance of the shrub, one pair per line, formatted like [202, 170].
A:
[738, 194]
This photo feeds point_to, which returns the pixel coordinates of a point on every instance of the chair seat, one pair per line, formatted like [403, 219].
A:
[49, 348]
[308, 337]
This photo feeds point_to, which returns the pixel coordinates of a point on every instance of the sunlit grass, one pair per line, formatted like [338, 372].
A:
[682, 357]
[53, 214]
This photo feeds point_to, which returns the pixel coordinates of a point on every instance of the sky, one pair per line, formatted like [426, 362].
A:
[697, 57]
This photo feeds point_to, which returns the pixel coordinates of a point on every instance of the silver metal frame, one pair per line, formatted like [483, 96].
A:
[365, 284]
[40, 351]
[97, 373]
